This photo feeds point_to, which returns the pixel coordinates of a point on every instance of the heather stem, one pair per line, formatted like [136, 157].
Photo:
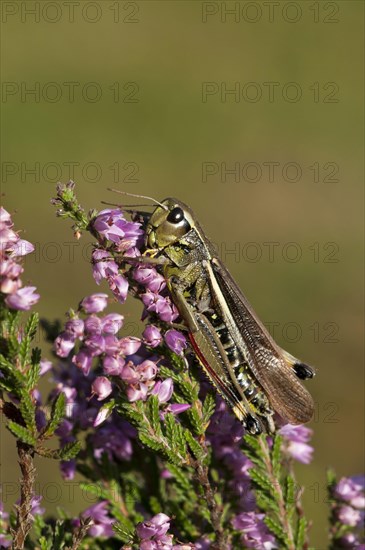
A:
[299, 506]
[80, 533]
[279, 495]
[24, 520]
[215, 513]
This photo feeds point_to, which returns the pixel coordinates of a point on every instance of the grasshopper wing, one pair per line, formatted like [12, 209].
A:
[264, 357]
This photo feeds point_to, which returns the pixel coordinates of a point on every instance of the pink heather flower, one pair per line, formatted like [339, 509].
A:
[155, 527]
[112, 225]
[111, 344]
[152, 336]
[5, 217]
[163, 390]
[101, 387]
[176, 341]
[132, 252]
[45, 366]
[144, 274]
[118, 284]
[129, 374]
[137, 392]
[350, 490]
[150, 278]
[255, 532]
[83, 360]
[10, 281]
[296, 442]
[349, 516]
[102, 526]
[93, 325]
[21, 248]
[9, 268]
[102, 415]
[300, 451]
[112, 323]
[36, 507]
[95, 344]
[23, 299]
[68, 469]
[7, 238]
[177, 408]
[164, 308]
[351, 541]
[113, 365]
[75, 327]
[146, 370]
[63, 344]
[103, 265]
[94, 303]
[9, 286]
[129, 345]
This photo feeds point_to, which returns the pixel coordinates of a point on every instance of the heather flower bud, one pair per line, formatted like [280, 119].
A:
[349, 516]
[143, 275]
[147, 370]
[75, 327]
[119, 287]
[155, 303]
[23, 299]
[177, 408]
[63, 344]
[103, 265]
[137, 392]
[95, 344]
[21, 248]
[113, 365]
[350, 490]
[176, 341]
[111, 345]
[93, 325]
[45, 366]
[296, 442]
[101, 387]
[112, 323]
[5, 217]
[102, 526]
[163, 390]
[94, 303]
[152, 336]
[155, 527]
[68, 469]
[112, 225]
[129, 375]
[83, 360]
[129, 345]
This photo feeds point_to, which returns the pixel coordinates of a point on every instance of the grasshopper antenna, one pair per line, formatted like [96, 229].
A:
[137, 196]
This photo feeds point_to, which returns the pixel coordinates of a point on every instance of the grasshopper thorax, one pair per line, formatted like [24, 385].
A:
[168, 223]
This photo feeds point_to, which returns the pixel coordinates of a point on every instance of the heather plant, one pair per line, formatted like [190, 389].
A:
[168, 464]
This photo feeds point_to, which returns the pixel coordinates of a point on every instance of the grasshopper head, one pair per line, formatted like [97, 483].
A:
[168, 223]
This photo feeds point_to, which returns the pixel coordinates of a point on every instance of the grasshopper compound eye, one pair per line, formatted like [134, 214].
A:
[176, 215]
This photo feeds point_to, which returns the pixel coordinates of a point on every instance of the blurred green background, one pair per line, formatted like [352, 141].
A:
[121, 99]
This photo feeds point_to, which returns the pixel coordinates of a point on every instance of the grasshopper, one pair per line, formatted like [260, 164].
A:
[251, 372]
